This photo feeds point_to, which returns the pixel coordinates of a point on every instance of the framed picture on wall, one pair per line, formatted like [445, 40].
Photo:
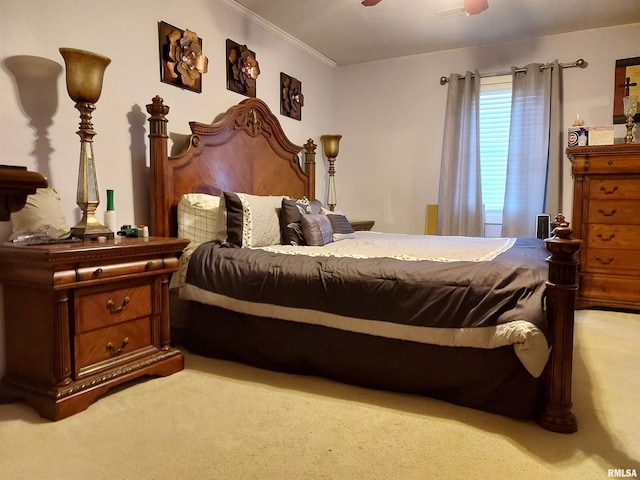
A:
[627, 82]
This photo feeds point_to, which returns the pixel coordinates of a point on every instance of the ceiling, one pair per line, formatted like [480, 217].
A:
[346, 32]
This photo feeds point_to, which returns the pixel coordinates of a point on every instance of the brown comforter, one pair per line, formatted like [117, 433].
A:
[483, 304]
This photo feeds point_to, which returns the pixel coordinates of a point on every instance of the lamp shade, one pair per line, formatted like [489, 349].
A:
[330, 145]
[85, 71]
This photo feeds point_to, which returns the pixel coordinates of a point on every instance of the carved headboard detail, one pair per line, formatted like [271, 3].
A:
[246, 151]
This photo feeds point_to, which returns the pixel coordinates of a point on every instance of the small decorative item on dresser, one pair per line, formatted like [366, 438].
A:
[630, 109]
[331, 146]
[85, 72]
[110, 213]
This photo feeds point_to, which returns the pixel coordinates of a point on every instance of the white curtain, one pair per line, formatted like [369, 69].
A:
[460, 195]
[534, 159]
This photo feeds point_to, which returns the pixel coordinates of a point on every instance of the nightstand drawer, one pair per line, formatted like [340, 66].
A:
[97, 309]
[614, 211]
[95, 272]
[111, 344]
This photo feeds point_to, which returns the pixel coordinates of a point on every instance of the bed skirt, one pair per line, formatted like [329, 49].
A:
[491, 380]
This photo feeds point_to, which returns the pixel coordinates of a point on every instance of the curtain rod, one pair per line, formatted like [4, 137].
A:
[578, 63]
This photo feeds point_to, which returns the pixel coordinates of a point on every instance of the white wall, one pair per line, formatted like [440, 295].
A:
[39, 120]
[390, 115]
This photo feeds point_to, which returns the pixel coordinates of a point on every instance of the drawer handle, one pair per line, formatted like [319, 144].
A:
[97, 272]
[113, 350]
[148, 266]
[606, 239]
[608, 214]
[608, 192]
[605, 262]
[112, 306]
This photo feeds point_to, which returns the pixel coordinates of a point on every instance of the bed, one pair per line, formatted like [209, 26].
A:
[488, 325]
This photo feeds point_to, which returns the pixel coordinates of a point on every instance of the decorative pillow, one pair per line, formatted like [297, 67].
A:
[197, 217]
[341, 227]
[316, 229]
[249, 220]
[41, 214]
[290, 216]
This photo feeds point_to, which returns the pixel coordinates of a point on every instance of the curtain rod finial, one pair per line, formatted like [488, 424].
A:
[581, 63]
[444, 80]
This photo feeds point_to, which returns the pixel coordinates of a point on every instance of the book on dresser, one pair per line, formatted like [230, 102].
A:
[606, 216]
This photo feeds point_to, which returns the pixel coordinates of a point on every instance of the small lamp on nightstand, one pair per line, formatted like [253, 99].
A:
[331, 146]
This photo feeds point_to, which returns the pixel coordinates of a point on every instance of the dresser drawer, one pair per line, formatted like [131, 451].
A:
[101, 308]
[614, 189]
[614, 211]
[117, 269]
[108, 345]
[606, 165]
[626, 237]
[623, 290]
[609, 260]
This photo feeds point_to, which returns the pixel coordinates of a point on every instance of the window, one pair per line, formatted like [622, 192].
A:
[495, 116]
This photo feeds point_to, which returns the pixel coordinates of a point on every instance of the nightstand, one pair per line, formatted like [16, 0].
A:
[363, 225]
[84, 317]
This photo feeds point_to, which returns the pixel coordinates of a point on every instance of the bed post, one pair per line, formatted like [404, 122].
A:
[158, 154]
[310, 167]
[561, 293]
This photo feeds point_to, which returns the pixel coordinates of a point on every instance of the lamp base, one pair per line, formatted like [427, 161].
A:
[629, 136]
[90, 229]
[91, 233]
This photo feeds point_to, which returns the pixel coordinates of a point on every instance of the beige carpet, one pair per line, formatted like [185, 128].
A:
[220, 420]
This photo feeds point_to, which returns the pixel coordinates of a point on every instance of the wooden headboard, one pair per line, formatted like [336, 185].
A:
[245, 151]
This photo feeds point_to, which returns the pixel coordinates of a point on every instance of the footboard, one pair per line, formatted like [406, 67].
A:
[560, 295]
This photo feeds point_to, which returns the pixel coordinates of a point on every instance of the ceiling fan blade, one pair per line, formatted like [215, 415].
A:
[370, 3]
[472, 7]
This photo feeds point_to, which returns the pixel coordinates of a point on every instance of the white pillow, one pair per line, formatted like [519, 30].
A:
[42, 214]
[197, 217]
[249, 220]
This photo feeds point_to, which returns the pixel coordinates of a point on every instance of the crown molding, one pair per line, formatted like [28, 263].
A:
[261, 22]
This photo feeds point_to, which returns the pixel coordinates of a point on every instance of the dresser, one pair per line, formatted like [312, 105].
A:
[606, 216]
[83, 317]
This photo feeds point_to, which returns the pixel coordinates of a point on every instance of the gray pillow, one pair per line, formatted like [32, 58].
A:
[341, 227]
[316, 229]
[291, 214]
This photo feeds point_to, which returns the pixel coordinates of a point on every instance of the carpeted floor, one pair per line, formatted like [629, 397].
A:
[221, 420]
